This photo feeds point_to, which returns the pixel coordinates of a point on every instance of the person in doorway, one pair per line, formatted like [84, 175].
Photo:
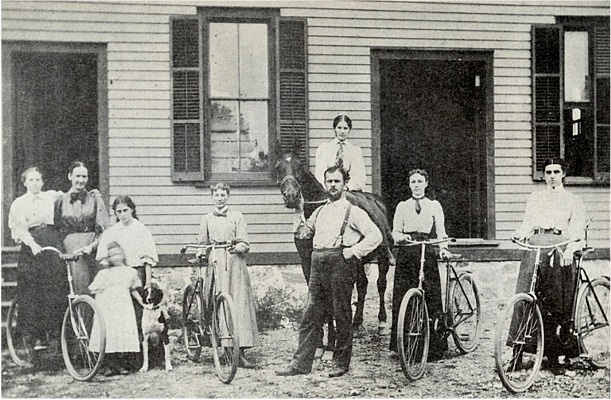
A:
[219, 227]
[81, 218]
[553, 215]
[418, 219]
[42, 285]
[343, 154]
[342, 235]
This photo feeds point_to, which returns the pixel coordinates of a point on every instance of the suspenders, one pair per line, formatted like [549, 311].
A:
[344, 223]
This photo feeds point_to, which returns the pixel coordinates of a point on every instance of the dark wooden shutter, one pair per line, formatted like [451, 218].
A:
[547, 106]
[293, 85]
[187, 151]
[601, 67]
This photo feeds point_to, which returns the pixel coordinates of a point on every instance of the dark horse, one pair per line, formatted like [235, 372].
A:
[298, 184]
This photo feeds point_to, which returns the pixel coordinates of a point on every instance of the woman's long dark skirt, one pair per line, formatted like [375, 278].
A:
[555, 290]
[406, 277]
[42, 287]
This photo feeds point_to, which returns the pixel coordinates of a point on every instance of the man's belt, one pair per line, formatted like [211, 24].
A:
[552, 231]
[328, 249]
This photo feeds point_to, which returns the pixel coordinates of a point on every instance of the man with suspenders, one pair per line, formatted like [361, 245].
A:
[343, 234]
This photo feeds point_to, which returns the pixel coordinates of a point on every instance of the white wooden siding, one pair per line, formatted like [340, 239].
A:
[339, 81]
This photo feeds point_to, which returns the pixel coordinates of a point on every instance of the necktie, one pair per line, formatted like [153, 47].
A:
[222, 212]
[418, 206]
[339, 157]
[74, 196]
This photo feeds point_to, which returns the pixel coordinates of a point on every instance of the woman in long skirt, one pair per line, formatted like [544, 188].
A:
[42, 286]
[221, 226]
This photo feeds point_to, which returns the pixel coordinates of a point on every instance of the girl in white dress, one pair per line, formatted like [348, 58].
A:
[112, 288]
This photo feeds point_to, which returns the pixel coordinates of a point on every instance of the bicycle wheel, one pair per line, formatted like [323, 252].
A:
[83, 338]
[20, 348]
[465, 313]
[225, 346]
[592, 322]
[413, 334]
[518, 349]
[191, 322]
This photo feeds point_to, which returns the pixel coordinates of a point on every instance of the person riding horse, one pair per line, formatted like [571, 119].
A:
[303, 192]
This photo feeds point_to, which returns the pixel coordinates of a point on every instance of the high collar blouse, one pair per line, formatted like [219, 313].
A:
[87, 216]
[28, 211]
[554, 209]
[352, 158]
[136, 241]
[229, 226]
[407, 220]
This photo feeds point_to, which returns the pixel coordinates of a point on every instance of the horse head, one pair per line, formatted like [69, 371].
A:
[289, 172]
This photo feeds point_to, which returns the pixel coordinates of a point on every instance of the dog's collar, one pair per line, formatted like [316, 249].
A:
[154, 308]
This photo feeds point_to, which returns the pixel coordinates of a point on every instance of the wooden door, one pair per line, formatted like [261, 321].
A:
[432, 116]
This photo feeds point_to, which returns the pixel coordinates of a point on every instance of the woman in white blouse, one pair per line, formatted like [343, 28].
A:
[42, 285]
[415, 219]
[138, 245]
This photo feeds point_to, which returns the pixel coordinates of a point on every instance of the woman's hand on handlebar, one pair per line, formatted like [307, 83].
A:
[238, 248]
[35, 247]
[84, 250]
[445, 253]
[401, 238]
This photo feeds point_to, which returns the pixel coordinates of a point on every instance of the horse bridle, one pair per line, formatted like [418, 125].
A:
[292, 178]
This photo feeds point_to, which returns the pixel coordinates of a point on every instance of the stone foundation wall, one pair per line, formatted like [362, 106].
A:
[495, 280]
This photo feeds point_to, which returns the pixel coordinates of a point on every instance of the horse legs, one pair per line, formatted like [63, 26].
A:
[361, 290]
[383, 267]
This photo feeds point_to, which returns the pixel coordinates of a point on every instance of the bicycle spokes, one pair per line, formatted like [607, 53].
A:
[83, 338]
[519, 343]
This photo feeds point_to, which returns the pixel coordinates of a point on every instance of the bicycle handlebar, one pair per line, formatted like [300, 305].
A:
[206, 246]
[63, 256]
[543, 247]
[425, 242]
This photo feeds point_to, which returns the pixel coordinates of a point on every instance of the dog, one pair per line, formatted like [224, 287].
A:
[154, 326]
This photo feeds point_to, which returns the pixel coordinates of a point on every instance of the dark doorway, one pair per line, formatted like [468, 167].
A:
[55, 115]
[433, 116]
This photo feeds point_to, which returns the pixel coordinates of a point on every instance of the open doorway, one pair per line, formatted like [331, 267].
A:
[432, 115]
[53, 118]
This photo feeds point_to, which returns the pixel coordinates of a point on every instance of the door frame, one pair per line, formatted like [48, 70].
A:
[8, 47]
[487, 56]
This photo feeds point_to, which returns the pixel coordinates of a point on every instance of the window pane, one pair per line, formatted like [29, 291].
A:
[224, 60]
[224, 148]
[254, 148]
[602, 100]
[579, 141]
[253, 60]
[576, 78]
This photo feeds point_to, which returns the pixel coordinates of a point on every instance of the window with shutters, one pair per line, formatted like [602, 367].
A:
[239, 88]
[571, 97]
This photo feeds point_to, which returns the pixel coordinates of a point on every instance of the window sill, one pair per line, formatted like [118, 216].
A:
[241, 182]
[582, 181]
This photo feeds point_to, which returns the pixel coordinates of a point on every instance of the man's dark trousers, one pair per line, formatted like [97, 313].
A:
[331, 282]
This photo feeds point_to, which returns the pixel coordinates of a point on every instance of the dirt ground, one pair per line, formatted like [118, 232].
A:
[373, 373]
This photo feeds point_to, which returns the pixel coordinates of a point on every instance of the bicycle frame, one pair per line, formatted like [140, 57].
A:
[207, 298]
[582, 278]
[537, 263]
[451, 275]
[67, 258]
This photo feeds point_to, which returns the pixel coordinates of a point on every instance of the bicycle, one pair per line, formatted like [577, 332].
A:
[519, 345]
[83, 360]
[208, 318]
[461, 317]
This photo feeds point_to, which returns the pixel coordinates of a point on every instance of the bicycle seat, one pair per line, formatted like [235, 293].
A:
[452, 256]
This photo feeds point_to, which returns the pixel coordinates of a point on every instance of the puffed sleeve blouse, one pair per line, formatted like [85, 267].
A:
[230, 226]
